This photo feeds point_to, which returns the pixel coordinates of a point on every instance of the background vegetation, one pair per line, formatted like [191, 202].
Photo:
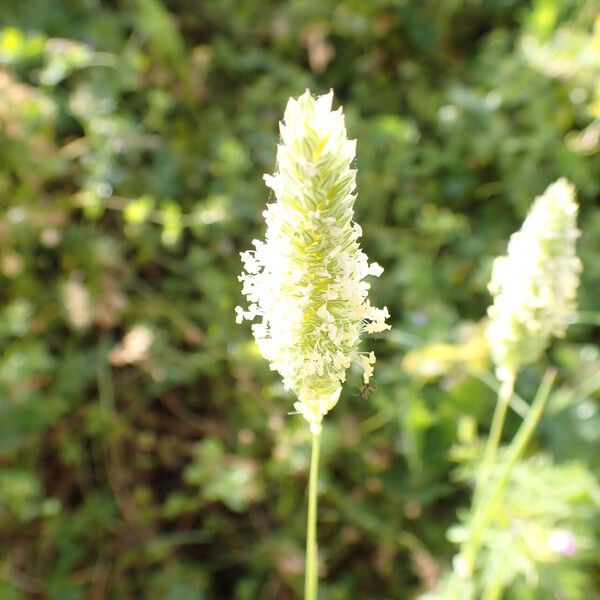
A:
[145, 448]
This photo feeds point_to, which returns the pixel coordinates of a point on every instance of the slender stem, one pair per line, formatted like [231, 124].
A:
[515, 451]
[484, 509]
[495, 435]
[312, 571]
[519, 406]
[494, 585]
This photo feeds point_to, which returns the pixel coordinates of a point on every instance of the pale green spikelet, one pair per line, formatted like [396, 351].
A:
[305, 281]
[535, 284]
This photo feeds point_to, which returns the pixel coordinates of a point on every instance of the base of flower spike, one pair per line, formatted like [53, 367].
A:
[315, 409]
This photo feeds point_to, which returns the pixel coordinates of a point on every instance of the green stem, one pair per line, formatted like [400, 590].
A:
[494, 585]
[519, 406]
[495, 435]
[494, 588]
[488, 504]
[312, 570]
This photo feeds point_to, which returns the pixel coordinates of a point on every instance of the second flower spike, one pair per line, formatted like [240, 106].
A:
[535, 284]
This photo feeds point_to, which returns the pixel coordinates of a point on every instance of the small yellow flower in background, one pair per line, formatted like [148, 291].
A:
[305, 281]
[535, 284]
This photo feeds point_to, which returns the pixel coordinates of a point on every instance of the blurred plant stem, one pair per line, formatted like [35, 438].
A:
[493, 440]
[518, 405]
[488, 502]
[493, 589]
[312, 570]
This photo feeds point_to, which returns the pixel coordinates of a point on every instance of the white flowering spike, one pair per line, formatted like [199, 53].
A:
[305, 281]
[535, 284]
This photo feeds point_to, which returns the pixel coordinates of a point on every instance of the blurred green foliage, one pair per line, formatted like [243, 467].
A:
[146, 449]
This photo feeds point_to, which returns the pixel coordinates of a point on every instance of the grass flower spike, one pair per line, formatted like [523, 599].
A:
[305, 282]
[535, 284]
[534, 288]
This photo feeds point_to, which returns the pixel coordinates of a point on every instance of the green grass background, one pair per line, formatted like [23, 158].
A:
[133, 139]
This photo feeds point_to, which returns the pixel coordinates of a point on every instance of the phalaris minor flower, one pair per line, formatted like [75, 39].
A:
[305, 282]
[535, 284]
[534, 287]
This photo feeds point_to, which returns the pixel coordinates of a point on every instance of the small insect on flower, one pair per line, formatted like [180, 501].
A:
[365, 391]
[305, 281]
